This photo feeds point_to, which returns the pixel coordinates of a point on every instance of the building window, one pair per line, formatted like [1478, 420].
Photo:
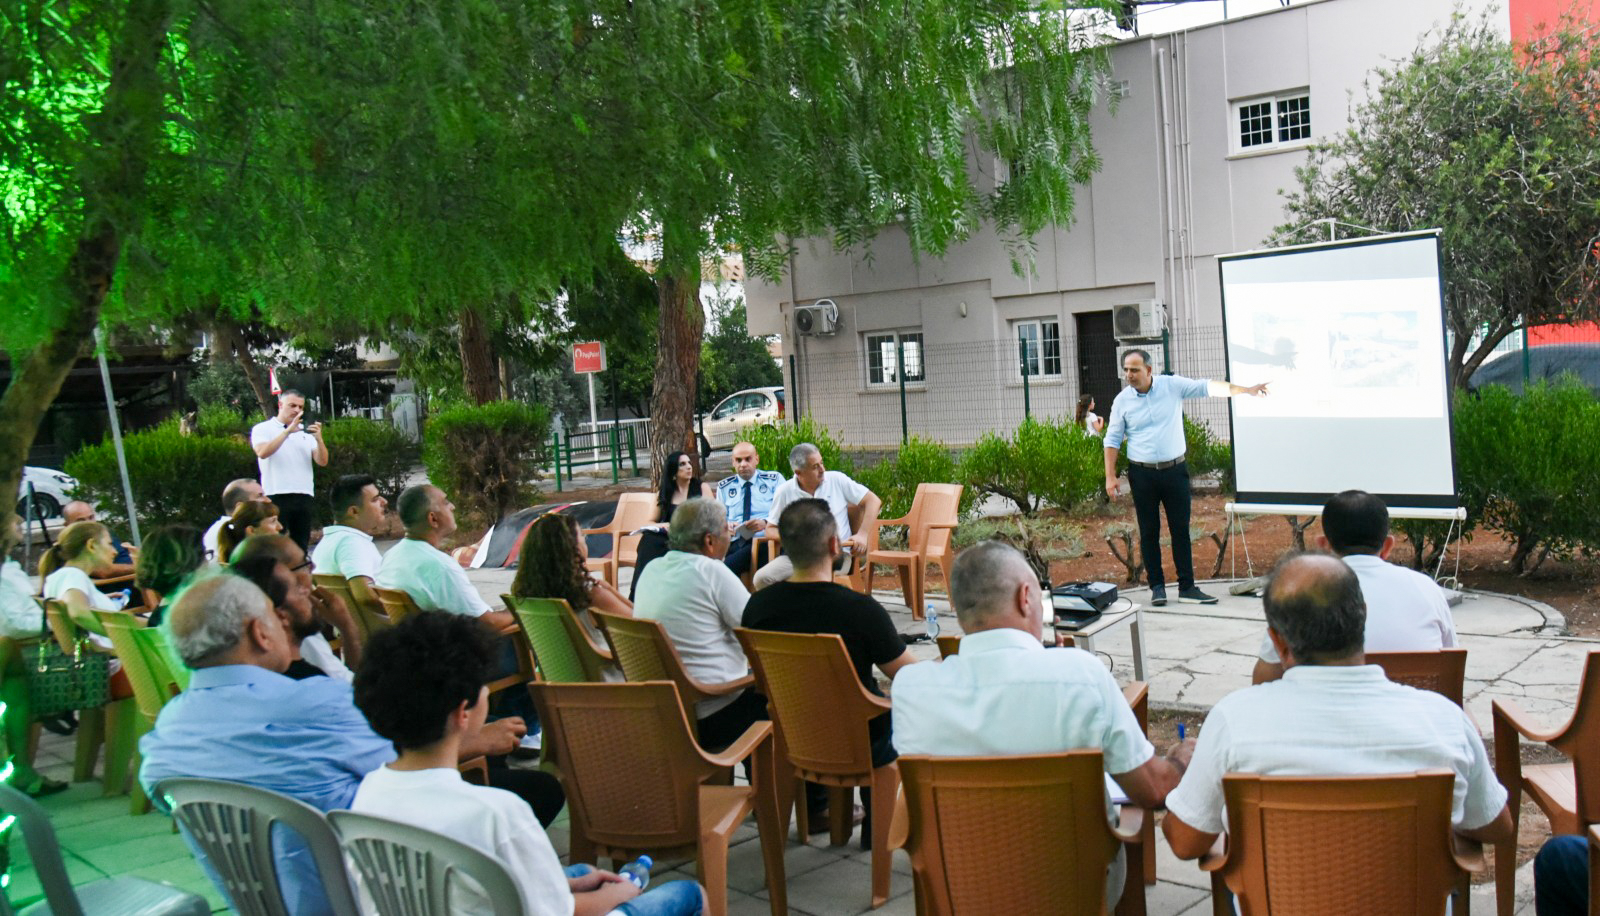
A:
[882, 366]
[1268, 123]
[1038, 347]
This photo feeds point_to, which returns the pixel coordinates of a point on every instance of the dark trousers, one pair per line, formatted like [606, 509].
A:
[1561, 877]
[539, 789]
[1154, 490]
[295, 512]
[739, 556]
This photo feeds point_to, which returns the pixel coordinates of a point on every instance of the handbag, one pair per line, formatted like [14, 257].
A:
[59, 682]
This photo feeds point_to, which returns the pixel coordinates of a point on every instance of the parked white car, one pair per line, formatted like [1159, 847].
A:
[737, 412]
[51, 490]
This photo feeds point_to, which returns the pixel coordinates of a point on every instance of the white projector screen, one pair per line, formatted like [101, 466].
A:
[1350, 336]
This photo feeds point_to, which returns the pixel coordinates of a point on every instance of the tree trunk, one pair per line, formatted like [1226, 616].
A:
[230, 345]
[478, 373]
[681, 326]
[123, 136]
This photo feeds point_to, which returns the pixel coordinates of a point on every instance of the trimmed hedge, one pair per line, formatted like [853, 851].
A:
[918, 461]
[1048, 462]
[486, 457]
[176, 478]
[774, 440]
[357, 445]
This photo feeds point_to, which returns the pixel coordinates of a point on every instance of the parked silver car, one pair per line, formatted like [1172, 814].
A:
[737, 412]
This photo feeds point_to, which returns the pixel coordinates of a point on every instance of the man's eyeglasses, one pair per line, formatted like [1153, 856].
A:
[305, 564]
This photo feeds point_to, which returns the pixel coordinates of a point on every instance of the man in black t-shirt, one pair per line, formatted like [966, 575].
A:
[810, 602]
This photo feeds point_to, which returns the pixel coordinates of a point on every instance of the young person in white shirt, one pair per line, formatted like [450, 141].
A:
[1330, 714]
[422, 687]
[285, 451]
[813, 480]
[242, 490]
[1406, 610]
[346, 548]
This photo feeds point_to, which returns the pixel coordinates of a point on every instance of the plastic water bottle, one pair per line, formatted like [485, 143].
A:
[121, 599]
[930, 618]
[638, 871]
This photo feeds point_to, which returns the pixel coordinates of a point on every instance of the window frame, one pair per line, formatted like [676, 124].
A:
[871, 345]
[1041, 354]
[1294, 104]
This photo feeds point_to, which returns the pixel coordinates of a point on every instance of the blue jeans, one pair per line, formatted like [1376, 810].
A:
[675, 898]
[1561, 877]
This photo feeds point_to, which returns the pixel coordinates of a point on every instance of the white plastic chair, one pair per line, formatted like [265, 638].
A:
[410, 870]
[119, 896]
[233, 823]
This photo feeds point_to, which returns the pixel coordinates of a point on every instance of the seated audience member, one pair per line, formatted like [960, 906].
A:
[1561, 877]
[1006, 694]
[552, 565]
[79, 550]
[121, 563]
[21, 618]
[747, 496]
[422, 687]
[170, 555]
[677, 487]
[242, 720]
[699, 602]
[238, 491]
[277, 565]
[1330, 714]
[812, 480]
[346, 548]
[811, 602]
[418, 567]
[249, 519]
[1406, 610]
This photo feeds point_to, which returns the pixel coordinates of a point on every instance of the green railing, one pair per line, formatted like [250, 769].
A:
[607, 446]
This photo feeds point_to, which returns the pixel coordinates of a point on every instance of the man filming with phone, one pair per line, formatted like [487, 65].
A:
[285, 448]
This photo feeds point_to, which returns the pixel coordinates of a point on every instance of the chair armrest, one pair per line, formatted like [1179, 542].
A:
[743, 746]
[1218, 855]
[114, 581]
[475, 771]
[717, 690]
[877, 701]
[1467, 853]
[951, 525]
[902, 520]
[1513, 715]
[1130, 824]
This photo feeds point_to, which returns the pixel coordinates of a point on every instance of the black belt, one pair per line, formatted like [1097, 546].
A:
[1159, 465]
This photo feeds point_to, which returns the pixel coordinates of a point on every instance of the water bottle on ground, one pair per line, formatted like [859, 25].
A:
[638, 871]
[930, 619]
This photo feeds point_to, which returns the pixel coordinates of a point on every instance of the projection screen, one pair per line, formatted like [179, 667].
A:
[1350, 336]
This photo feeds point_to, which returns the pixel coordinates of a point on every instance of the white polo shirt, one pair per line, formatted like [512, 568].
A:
[432, 579]
[209, 539]
[1334, 720]
[837, 489]
[316, 650]
[348, 552]
[698, 601]
[21, 616]
[492, 821]
[287, 470]
[1406, 610]
[1005, 693]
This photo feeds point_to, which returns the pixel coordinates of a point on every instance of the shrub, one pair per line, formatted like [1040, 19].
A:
[357, 445]
[919, 460]
[774, 440]
[175, 478]
[1206, 453]
[1040, 540]
[487, 457]
[220, 421]
[1051, 462]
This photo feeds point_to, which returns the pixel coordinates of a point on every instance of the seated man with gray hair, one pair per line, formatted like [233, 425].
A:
[699, 601]
[812, 480]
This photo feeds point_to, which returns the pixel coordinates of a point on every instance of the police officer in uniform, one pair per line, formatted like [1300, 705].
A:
[747, 496]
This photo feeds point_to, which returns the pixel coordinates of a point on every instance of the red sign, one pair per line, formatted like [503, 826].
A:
[588, 357]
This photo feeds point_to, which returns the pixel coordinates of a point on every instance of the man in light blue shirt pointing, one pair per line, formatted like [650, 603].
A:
[1148, 414]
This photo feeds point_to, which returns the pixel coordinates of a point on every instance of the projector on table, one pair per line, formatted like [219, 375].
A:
[1077, 604]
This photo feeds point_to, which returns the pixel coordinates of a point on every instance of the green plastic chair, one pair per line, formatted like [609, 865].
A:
[170, 671]
[561, 649]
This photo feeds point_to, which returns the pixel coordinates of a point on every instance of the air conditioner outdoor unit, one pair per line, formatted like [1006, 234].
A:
[1138, 320]
[817, 319]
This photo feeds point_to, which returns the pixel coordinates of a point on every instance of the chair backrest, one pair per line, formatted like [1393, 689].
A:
[634, 511]
[644, 652]
[233, 824]
[397, 604]
[935, 503]
[632, 763]
[363, 607]
[1581, 740]
[948, 646]
[984, 829]
[818, 705]
[1340, 844]
[147, 693]
[43, 850]
[410, 870]
[560, 658]
[168, 669]
[1443, 671]
[61, 626]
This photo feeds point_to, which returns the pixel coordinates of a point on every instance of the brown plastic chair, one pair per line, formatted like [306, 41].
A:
[1443, 671]
[948, 646]
[1342, 844]
[634, 511]
[933, 516]
[644, 652]
[359, 598]
[1030, 830]
[636, 782]
[1568, 793]
[1594, 871]
[397, 604]
[561, 647]
[821, 712]
[114, 725]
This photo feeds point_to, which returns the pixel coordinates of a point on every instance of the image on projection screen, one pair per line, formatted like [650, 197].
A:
[1349, 337]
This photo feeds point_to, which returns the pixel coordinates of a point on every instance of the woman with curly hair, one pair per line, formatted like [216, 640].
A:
[551, 565]
[248, 518]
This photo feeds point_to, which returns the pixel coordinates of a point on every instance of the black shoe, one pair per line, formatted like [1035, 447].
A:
[64, 725]
[1192, 595]
[1158, 595]
[819, 822]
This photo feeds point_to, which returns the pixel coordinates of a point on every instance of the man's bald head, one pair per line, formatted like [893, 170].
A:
[985, 582]
[222, 621]
[1314, 603]
[77, 511]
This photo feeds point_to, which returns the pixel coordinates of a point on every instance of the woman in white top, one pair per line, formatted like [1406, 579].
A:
[81, 548]
[1092, 422]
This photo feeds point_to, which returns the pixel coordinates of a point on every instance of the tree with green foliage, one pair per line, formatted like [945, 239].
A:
[730, 359]
[1495, 145]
